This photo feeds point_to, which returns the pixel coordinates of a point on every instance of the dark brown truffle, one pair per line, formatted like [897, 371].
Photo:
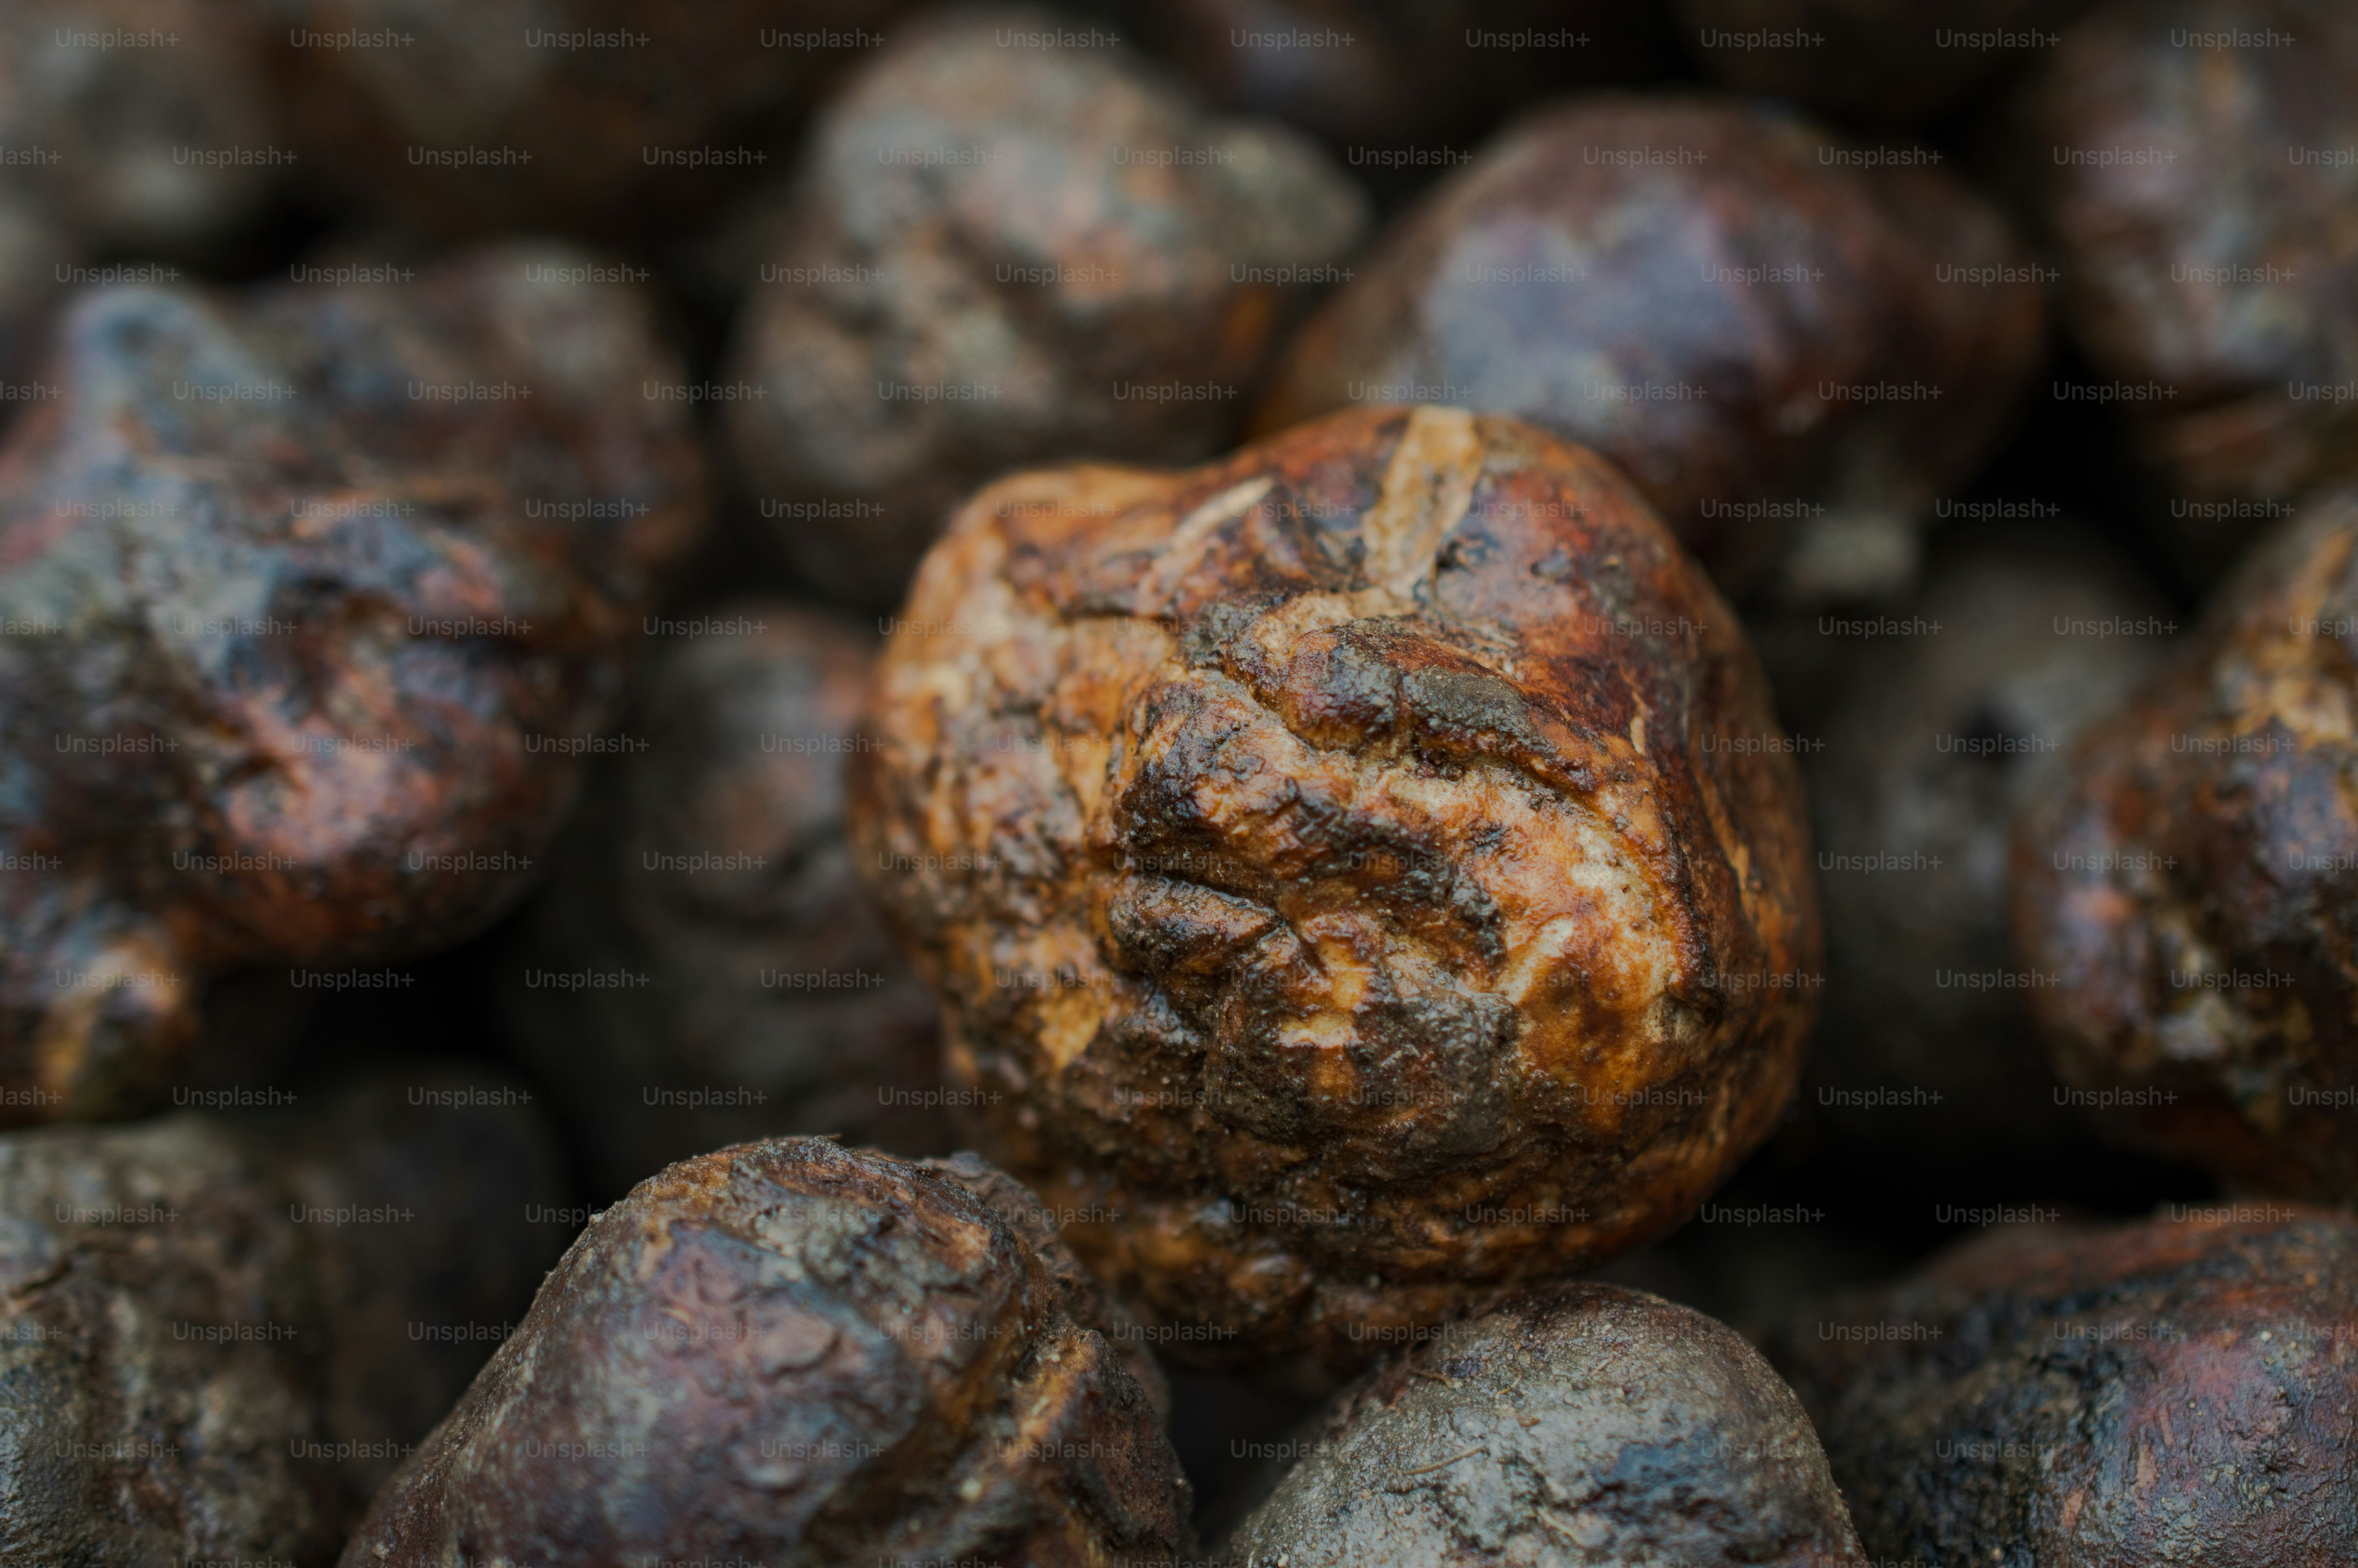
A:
[2184, 895]
[306, 597]
[703, 967]
[1006, 248]
[1703, 293]
[1359, 873]
[1584, 1423]
[1951, 719]
[803, 1355]
[2195, 168]
[2177, 1390]
[1880, 62]
[218, 1335]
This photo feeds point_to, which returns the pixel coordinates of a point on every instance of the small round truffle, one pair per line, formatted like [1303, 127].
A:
[2186, 892]
[809, 1356]
[1358, 872]
[703, 967]
[1949, 722]
[1878, 62]
[1586, 1423]
[218, 1333]
[312, 598]
[1706, 294]
[2195, 171]
[1007, 248]
[2174, 1391]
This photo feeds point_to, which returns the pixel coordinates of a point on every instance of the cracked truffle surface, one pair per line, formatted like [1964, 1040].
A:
[809, 1356]
[1586, 1423]
[2089, 1396]
[2186, 892]
[1358, 872]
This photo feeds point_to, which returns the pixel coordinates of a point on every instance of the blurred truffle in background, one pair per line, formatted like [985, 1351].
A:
[2195, 170]
[2163, 1390]
[1359, 873]
[1788, 343]
[801, 1353]
[2188, 882]
[1002, 249]
[703, 967]
[218, 1333]
[302, 608]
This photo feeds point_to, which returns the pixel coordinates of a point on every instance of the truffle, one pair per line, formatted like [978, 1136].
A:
[306, 595]
[1004, 248]
[2194, 170]
[1584, 1423]
[703, 967]
[1762, 329]
[2084, 1395]
[1358, 872]
[806, 1355]
[2184, 894]
[218, 1334]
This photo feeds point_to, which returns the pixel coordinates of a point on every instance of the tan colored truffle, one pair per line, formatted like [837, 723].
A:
[1359, 873]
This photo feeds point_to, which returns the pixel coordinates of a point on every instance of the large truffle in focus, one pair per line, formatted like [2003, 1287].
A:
[1951, 717]
[2073, 1396]
[308, 597]
[218, 1334]
[2195, 170]
[1734, 306]
[703, 967]
[1359, 873]
[809, 1356]
[1008, 248]
[2187, 890]
[1584, 1423]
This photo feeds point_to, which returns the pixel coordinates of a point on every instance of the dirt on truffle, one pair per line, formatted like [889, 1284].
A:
[1359, 873]
[809, 1356]
[2187, 890]
[1584, 1423]
[2173, 1391]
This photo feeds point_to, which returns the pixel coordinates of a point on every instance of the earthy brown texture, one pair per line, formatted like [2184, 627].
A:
[219, 1334]
[304, 597]
[1000, 253]
[1359, 873]
[1682, 284]
[2178, 1391]
[2189, 888]
[585, 115]
[2209, 250]
[1398, 76]
[2026, 633]
[704, 967]
[797, 1354]
[1879, 62]
[142, 126]
[1585, 1423]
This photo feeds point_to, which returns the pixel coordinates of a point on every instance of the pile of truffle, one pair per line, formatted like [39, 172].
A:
[1179, 783]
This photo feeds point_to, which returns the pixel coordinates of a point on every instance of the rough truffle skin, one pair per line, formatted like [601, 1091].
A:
[2090, 1397]
[1357, 872]
[2186, 888]
[797, 1354]
[1879, 62]
[1585, 1423]
[197, 1362]
[304, 597]
[1059, 296]
[657, 1000]
[2218, 277]
[2026, 636]
[1567, 277]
